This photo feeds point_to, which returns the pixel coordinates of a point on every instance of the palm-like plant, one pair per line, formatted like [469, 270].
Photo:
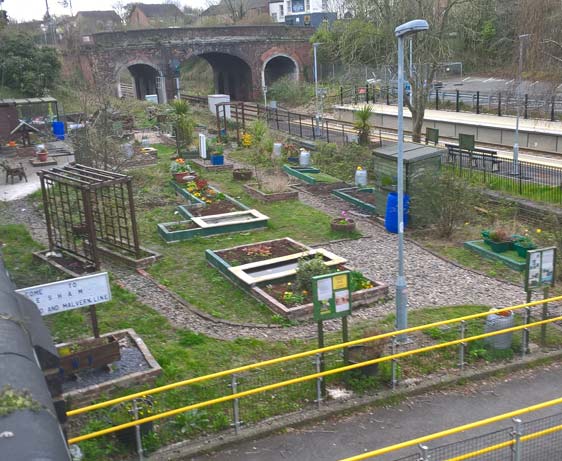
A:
[362, 125]
[184, 126]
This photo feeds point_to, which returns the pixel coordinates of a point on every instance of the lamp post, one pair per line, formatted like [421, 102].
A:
[522, 38]
[403, 30]
[317, 127]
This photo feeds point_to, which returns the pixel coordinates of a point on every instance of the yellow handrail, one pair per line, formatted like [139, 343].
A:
[299, 355]
[454, 430]
[301, 379]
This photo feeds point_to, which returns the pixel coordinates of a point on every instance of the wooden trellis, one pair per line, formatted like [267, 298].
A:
[87, 207]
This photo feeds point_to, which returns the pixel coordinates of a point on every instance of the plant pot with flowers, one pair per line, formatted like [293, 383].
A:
[343, 224]
[217, 156]
[499, 240]
[128, 411]
[523, 245]
[181, 170]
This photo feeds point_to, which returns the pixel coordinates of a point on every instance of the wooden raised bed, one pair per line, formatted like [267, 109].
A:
[254, 192]
[88, 353]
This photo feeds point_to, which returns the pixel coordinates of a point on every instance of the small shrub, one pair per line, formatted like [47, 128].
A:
[307, 269]
[272, 184]
[290, 92]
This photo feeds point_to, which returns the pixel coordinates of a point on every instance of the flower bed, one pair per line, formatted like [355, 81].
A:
[363, 198]
[266, 270]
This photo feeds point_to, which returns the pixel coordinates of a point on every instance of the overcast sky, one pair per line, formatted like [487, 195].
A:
[26, 10]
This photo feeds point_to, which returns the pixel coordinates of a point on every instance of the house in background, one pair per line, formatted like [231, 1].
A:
[90, 22]
[145, 15]
[223, 12]
[307, 13]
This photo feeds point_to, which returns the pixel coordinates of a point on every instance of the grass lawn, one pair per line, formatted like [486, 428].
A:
[184, 269]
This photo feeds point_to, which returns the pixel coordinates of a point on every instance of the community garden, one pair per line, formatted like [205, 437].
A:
[233, 285]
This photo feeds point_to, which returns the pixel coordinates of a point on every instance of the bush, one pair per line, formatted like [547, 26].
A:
[307, 269]
[290, 92]
[443, 200]
[342, 161]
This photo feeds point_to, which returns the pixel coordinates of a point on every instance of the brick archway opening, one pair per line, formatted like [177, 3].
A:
[280, 66]
[145, 80]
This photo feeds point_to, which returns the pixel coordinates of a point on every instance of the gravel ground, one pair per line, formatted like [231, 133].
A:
[431, 280]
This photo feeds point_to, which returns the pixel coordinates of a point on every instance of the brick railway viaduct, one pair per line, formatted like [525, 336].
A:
[243, 58]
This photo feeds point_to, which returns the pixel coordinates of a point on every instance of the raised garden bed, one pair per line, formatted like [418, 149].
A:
[254, 192]
[309, 175]
[88, 353]
[273, 265]
[208, 166]
[361, 197]
[208, 225]
[510, 257]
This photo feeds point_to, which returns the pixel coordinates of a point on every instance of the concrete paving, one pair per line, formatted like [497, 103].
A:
[338, 438]
[19, 189]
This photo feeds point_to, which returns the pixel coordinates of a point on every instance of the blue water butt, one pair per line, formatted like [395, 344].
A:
[58, 130]
[391, 216]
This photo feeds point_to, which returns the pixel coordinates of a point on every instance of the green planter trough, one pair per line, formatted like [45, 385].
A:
[510, 257]
[344, 194]
[309, 175]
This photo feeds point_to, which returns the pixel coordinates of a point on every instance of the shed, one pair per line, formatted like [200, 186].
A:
[14, 110]
[8, 118]
[418, 158]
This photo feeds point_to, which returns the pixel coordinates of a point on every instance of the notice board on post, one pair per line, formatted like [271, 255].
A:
[332, 295]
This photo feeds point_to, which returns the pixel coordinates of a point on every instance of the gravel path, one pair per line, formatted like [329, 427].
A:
[431, 280]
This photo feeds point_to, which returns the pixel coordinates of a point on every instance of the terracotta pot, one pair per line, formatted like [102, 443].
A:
[347, 227]
[42, 156]
[179, 176]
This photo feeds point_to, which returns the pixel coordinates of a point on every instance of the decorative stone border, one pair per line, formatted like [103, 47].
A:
[83, 396]
[274, 197]
[343, 194]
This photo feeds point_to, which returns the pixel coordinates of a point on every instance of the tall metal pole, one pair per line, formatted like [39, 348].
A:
[519, 82]
[401, 300]
[317, 128]
[411, 57]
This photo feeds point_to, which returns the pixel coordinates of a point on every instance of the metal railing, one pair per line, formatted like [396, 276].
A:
[501, 103]
[535, 440]
[291, 373]
[532, 180]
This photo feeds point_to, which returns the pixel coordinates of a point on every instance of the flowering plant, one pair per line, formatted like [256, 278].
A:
[124, 412]
[247, 140]
[180, 166]
[200, 188]
[345, 219]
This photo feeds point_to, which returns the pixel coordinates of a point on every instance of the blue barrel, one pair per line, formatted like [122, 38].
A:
[391, 216]
[58, 130]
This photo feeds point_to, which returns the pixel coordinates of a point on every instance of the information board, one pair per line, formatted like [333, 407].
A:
[541, 268]
[332, 295]
[52, 298]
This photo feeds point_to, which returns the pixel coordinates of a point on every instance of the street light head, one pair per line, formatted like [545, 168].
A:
[411, 27]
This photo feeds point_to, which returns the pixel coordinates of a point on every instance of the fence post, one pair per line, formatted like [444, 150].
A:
[478, 102]
[235, 404]
[318, 364]
[393, 351]
[552, 102]
[458, 101]
[313, 126]
[516, 434]
[462, 345]
[343, 134]
[388, 96]
[424, 455]
[341, 95]
[300, 125]
[327, 132]
[367, 94]
[526, 115]
[355, 95]
[277, 117]
[500, 104]
[289, 121]
[138, 438]
[243, 117]
[436, 98]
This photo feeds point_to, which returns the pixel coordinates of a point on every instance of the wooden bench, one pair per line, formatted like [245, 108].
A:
[478, 154]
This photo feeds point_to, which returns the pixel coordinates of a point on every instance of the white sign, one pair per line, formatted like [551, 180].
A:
[52, 298]
[202, 145]
[324, 289]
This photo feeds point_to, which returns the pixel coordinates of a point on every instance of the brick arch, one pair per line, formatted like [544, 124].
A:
[282, 55]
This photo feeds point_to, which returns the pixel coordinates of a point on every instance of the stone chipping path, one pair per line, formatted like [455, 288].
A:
[432, 281]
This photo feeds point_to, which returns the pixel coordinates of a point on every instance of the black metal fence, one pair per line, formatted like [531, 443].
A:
[534, 106]
[531, 180]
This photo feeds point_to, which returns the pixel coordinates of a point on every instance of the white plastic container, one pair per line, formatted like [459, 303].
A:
[360, 177]
[495, 322]
[304, 158]
[277, 149]
[215, 99]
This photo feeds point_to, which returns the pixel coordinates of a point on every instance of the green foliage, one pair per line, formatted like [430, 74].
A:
[442, 200]
[307, 269]
[183, 124]
[290, 92]
[362, 125]
[27, 67]
[341, 161]
[189, 338]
